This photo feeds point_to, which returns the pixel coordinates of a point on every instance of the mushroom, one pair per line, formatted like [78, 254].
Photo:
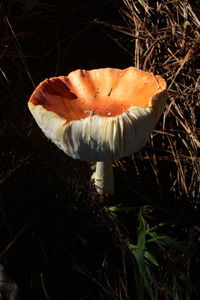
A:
[99, 115]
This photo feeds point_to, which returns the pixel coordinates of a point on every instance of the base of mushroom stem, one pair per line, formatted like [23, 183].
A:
[103, 177]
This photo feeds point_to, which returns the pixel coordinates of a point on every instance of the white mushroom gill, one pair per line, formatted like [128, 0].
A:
[98, 138]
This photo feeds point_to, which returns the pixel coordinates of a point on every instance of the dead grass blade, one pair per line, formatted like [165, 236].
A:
[165, 40]
[13, 241]
[19, 49]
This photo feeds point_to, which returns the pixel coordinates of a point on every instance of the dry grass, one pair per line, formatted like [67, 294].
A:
[163, 37]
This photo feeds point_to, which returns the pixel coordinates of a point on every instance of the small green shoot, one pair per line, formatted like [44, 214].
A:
[145, 262]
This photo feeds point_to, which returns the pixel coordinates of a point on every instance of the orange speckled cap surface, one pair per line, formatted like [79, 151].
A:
[105, 92]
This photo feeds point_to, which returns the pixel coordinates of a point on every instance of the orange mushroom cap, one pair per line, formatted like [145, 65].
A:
[99, 114]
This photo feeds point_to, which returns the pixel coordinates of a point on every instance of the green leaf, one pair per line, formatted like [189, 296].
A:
[163, 240]
[176, 289]
[131, 246]
[138, 251]
[151, 258]
[142, 230]
[119, 208]
[174, 244]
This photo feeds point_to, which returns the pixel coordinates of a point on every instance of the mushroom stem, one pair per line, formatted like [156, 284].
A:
[103, 177]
